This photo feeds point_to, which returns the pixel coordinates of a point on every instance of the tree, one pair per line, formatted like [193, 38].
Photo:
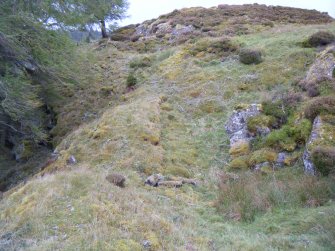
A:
[90, 12]
[103, 11]
[68, 13]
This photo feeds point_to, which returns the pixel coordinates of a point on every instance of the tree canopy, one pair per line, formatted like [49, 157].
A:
[68, 13]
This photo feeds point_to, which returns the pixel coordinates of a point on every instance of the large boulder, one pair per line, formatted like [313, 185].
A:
[323, 67]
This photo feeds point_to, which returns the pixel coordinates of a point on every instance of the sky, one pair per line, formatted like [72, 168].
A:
[141, 10]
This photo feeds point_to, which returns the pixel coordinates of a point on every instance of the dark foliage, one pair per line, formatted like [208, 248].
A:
[249, 56]
[131, 80]
[321, 105]
[324, 159]
[319, 39]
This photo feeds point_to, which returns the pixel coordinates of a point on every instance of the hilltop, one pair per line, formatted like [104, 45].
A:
[173, 96]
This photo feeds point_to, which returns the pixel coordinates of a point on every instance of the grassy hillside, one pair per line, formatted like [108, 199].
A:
[172, 122]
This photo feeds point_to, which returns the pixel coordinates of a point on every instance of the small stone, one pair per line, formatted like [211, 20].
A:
[280, 162]
[146, 244]
[154, 179]
[261, 165]
[71, 161]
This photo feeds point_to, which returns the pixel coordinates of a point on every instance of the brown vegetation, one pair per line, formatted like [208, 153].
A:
[252, 194]
[321, 105]
[249, 56]
[319, 38]
[116, 179]
[324, 159]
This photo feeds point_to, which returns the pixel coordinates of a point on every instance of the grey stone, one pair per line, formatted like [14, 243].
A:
[146, 244]
[323, 66]
[154, 179]
[280, 162]
[236, 127]
[263, 131]
[71, 161]
[182, 30]
[309, 167]
[260, 165]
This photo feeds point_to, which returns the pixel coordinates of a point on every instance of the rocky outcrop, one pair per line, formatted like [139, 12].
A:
[159, 29]
[315, 134]
[236, 126]
[206, 21]
[323, 66]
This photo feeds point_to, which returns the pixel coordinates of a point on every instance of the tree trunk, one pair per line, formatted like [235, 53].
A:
[103, 29]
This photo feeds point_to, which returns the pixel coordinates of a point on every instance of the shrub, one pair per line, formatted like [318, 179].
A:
[324, 159]
[277, 110]
[317, 87]
[140, 63]
[280, 139]
[289, 136]
[319, 38]
[313, 91]
[249, 56]
[321, 105]
[292, 99]
[218, 46]
[131, 80]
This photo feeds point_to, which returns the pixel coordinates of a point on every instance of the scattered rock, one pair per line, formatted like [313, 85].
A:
[170, 183]
[315, 134]
[190, 181]
[154, 179]
[281, 159]
[116, 179]
[261, 165]
[263, 131]
[182, 30]
[146, 244]
[71, 160]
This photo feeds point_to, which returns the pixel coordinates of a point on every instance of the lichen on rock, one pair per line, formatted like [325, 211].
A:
[237, 128]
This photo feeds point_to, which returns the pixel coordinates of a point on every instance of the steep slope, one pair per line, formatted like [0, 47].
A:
[173, 122]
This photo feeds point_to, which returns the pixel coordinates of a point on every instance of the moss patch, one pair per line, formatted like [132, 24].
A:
[241, 162]
[240, 148]
[259, 121]
[263, 155]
